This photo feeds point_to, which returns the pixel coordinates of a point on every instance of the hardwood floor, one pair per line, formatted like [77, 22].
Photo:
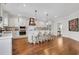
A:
[57, 46]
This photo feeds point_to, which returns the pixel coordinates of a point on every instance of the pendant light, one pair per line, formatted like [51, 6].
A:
[32, 20]
[36, 14]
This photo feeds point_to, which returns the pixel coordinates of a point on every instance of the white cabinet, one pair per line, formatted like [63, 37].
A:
[13, 21]
[6, 43]
[22, 21]
[17, 21]
[5, 21]
[32, 34]
[6, 46]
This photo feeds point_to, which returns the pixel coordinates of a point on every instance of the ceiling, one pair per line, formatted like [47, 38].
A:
[54, 10]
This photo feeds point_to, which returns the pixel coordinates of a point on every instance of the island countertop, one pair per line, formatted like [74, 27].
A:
[6, 35]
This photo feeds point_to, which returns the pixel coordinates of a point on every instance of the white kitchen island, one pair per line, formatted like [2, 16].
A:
[6, 43]
[38, 34]
[31, 34]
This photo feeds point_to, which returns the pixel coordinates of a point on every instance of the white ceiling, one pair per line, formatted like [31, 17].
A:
[53, 9]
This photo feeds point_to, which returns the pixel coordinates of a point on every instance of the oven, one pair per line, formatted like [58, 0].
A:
[22, 30]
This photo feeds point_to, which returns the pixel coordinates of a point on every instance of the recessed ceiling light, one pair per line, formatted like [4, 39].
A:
[45, 12]
[55, 16]
[24, 5]
[19, 14]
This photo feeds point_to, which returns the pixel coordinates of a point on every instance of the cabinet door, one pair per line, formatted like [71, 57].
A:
[22, 21]
[13, 22]
[5, 46]
[5, 21]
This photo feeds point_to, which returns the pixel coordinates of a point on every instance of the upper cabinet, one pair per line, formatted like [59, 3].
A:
[17, 21]
[13, 21]
[5, 21]
[22, 21]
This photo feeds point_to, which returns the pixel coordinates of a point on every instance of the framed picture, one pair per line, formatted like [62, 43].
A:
[74, 25]
[32, 21]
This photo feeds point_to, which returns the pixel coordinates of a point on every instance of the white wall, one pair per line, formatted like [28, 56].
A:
[65, 28]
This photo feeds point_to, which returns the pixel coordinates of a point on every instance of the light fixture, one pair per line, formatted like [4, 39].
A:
[36, 14]
[24, 5]
[60, 42]
[19, 14]
[45, 13]
[55, 16]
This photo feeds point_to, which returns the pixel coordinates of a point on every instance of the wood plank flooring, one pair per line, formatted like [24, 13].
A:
[56, 46]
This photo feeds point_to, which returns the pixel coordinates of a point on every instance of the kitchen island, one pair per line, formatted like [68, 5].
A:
[6, 43]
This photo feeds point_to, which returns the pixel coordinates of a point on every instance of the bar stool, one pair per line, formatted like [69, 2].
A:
[40, 37]
[49, 36]
[35, 37]
[45, 36]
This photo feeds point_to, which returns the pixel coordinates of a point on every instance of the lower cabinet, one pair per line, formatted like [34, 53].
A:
[6, 46]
